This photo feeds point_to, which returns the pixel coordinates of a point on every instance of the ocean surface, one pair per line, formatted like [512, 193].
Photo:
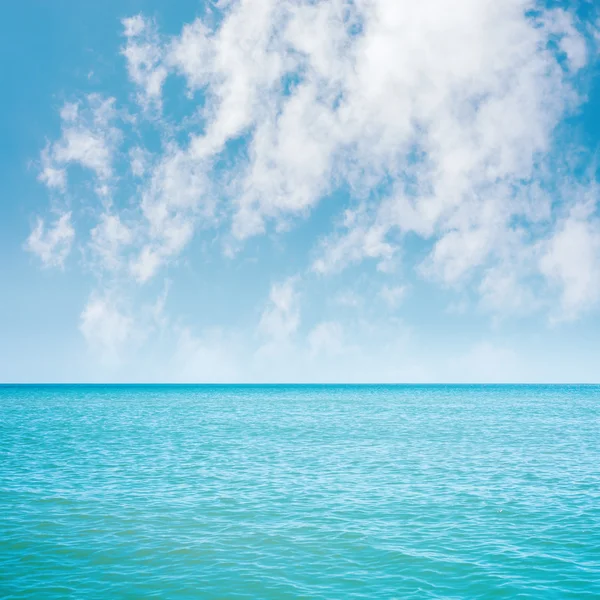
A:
[299, 492]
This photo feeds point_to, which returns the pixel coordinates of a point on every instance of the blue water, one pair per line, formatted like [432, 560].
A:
[300, 492]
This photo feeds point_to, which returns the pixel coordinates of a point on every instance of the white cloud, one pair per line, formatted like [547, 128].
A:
[420, 94]
[138, 161]
[238, 66]
[105, 327]
[174, 233]
[84, 147]
[281, 318]
[144, 55]
[54, 177]
[108, 238]
[571, 260]
[52, 244]
[124, 330]
[175, 200]
[413, 97]
[429, 97]
[146, 264]
[560, 24]
[88, 139]
[361, 241]
[503, 292]
[438, 122]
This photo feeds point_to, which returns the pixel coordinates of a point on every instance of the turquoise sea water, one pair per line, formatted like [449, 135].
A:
[300, 492]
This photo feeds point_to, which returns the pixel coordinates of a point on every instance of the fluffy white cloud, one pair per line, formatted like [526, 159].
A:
[451, 110]
[52, 244]
[454, 109]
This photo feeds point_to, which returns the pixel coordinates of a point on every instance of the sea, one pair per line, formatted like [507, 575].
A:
[299, 491]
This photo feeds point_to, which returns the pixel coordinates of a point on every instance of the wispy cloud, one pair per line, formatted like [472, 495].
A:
[393, 295]
[144, 55]
[105, 327]
[108, 238]
[281, 317]
[52, 244]
[89, 139]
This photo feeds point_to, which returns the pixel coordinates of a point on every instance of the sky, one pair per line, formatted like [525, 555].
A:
[300, 191]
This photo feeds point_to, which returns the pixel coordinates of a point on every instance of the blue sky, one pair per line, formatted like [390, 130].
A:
[300, 191]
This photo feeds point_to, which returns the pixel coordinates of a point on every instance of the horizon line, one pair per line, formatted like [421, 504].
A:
[306, 384]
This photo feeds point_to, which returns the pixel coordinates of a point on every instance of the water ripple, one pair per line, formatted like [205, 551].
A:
[300, 492]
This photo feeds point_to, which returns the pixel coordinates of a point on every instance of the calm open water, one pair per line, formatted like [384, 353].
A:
[300, 492]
